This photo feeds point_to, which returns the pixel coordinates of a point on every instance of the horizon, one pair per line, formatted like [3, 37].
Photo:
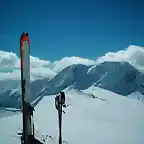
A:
[10, 63]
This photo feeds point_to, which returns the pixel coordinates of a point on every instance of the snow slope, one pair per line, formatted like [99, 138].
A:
[108, 118]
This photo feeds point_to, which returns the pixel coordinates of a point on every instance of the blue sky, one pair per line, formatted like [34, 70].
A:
[59, 28]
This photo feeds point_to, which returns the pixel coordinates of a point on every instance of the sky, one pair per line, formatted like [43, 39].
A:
[66, 28]
[69, 32]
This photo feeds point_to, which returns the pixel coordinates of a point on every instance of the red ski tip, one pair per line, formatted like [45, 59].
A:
[23, 40]
[24, 37]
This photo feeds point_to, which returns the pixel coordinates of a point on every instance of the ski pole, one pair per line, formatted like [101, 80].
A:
[59, 102]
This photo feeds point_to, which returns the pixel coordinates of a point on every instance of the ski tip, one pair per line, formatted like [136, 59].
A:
[24, 38]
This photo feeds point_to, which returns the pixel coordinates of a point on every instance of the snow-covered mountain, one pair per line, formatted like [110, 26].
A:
[119, 77]
[108, 118]
[9, 84]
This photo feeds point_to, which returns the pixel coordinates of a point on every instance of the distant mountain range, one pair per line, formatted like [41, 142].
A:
[119, 77]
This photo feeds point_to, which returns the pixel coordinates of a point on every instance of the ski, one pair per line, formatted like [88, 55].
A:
[25, 80]
[27, 135]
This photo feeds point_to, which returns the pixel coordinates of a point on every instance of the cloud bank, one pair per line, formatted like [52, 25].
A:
[10, 63]
[10, 66]
[132, 54]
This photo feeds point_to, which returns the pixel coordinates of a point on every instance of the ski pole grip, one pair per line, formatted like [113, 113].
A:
[62, 97]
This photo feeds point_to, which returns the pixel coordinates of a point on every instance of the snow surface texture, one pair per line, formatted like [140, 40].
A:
[108, 118]
[119, 77]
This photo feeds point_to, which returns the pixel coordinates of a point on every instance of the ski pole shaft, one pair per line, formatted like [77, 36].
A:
[60, 125]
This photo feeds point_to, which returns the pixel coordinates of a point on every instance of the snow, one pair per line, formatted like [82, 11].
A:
[107, 119]
[13, 91]
[136, 95]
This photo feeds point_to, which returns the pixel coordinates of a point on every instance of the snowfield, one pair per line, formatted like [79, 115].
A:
[108, 118]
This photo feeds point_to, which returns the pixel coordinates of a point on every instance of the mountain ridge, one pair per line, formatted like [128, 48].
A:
[119, 77]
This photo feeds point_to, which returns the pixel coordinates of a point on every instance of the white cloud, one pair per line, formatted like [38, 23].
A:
[41, 72]
[10, 66]
[36, 62]
[133, 54]
[67, 61]
[44, 68]
[15, 75]
[8, 59]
